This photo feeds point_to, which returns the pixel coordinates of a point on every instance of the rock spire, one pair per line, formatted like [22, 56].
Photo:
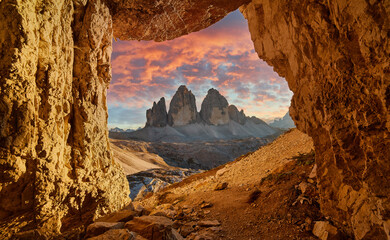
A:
[157, 116]
[182, 109]
[214, 109]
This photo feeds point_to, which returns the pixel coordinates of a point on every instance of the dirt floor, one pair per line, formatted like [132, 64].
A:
[269, 195]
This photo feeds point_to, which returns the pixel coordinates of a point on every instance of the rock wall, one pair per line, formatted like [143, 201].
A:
[54, 69]
[55, 160]
[161, 20]
[335, 56]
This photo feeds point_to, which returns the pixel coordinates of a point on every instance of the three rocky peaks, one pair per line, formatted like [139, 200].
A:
[215, 110]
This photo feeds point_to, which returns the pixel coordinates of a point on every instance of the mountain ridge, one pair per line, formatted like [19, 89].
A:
[217, 120]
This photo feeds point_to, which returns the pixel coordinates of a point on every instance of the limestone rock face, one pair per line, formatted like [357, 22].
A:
[161, 20]
[55, 67]
[182, 109]
[235, 115]
[157, 116]
[335, 56]
[214, 109]
[55, 161]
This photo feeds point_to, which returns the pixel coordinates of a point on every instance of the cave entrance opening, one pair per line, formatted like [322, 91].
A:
[221, 56]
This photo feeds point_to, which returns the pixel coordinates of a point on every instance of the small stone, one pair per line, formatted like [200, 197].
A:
[221, 172]
[289, 217]
[324, 230]
[313, 172]
[216, 229]
[186, 230]
[206, 205]
[209, 223]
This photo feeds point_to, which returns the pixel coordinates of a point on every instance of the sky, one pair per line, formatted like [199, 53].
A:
[221, 56]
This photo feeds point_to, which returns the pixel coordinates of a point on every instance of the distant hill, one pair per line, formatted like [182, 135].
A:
[119, 130]
[217, 120]
[283, 123]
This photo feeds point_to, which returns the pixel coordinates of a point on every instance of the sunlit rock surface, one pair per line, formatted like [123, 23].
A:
[335, 56]
[55, 67]
[161, 20]
[55, 162]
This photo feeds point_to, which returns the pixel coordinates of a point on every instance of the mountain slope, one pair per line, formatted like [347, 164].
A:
[199, 132]
[134, 160]
[283, 123]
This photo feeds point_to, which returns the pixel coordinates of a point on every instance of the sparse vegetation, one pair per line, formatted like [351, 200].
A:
[304, 159]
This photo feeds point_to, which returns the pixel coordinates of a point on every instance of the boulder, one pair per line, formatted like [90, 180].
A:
[324, 230]
[214, 110]
[120, 216]
[153, 227]
[116, 234]
[98, 228]
[209, 223]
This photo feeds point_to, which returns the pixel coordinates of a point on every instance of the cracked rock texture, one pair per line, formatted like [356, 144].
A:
[56, 165]
[161, 20]
[335, 56]
[55, 159]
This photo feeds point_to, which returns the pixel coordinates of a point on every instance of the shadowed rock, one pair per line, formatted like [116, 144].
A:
[235, 115]
[182, 109]
[157, 116]
[214, 109]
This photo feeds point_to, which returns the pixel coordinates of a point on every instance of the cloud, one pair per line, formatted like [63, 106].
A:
[221, 56]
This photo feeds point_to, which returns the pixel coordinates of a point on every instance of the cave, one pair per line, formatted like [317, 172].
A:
[55, 68]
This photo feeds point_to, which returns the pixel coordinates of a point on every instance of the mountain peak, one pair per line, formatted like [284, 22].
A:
[182, 109]
[214, 109]
[157, 116]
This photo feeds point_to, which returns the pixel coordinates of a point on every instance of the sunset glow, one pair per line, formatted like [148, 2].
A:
[221, 56]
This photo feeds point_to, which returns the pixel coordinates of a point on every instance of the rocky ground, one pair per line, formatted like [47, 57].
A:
[267, 194]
